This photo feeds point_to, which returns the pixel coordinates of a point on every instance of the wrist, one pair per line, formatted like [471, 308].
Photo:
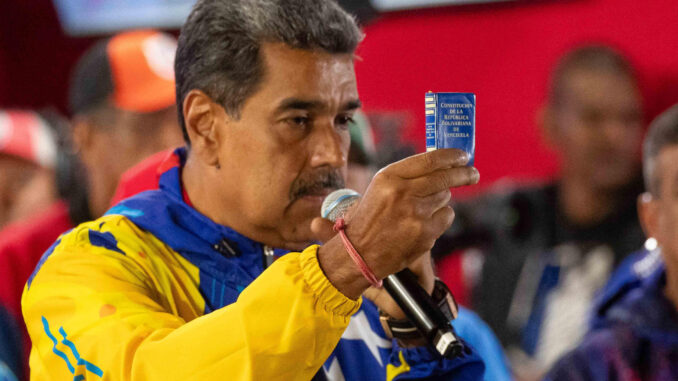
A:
[340, 228]
[405, 331]
[340, 270]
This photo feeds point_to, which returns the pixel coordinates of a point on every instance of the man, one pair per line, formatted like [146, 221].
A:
[183, 282]
[125, 115]
[547, 249]
[27, 160]
[360, 170]
[635, 330]
[122, 100]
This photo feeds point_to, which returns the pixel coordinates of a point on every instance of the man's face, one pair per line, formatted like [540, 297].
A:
[598, 128]
[124, 141]
[665, 207]
[25, 188]
[288, 149]
[137, 136]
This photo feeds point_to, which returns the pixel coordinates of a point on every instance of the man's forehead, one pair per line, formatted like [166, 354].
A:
[280, 51]
[668, 162]
[296, 65]
[588, 84]
[299, 78]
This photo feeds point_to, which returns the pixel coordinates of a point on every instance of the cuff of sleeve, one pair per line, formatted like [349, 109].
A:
[334, 301]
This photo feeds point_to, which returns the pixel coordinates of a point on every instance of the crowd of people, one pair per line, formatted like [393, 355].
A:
[170, 227]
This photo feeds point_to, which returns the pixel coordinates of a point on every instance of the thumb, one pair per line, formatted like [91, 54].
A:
[322, 229]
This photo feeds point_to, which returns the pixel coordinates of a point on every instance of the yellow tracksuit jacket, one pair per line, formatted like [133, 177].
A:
[134, 312]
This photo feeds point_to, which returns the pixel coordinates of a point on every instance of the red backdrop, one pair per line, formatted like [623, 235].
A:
[503, 52]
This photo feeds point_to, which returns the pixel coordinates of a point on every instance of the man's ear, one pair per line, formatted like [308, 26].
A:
[201, 117]
[648, 209]
[84, 139]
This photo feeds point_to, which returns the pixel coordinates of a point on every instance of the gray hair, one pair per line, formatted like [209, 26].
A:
[219, 45]
[663, 132]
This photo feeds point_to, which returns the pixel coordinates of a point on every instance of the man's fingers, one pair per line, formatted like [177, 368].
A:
[429, 204]
[443, 179]
[322, 229]
[442, 219]
[424, 163]
[422, 267]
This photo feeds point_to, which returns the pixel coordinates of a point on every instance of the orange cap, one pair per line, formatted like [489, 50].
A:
[142, 66]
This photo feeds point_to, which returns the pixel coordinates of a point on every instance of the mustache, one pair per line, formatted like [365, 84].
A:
[315, 182]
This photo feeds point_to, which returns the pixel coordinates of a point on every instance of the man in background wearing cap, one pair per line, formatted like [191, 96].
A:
[122, 100]
[125, 115]
[27, 160]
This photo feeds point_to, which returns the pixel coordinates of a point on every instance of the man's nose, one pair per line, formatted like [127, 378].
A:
[328, 146]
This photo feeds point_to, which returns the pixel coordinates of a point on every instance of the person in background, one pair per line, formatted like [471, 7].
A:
[634, 334]
[216, 274]
[122, 101]
[548, 249]
[127, 114]
[27, 161]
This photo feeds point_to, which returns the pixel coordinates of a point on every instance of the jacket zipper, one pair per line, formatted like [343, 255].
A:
[268, 256]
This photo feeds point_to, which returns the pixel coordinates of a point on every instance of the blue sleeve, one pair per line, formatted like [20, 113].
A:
[10, 347]
[602, 355]
[575, 366]
[474, 331]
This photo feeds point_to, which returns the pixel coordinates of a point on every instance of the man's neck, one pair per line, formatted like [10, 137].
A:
[582, 205]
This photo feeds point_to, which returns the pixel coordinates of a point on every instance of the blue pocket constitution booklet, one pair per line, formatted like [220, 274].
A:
[451, 122]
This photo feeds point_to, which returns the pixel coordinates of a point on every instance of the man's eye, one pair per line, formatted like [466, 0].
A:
[345, 121]
[300, 121]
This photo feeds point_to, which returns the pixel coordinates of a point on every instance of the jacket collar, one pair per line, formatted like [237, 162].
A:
[202, 241]
[635, 296]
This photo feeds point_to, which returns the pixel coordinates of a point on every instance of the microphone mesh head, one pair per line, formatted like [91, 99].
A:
[337, 202]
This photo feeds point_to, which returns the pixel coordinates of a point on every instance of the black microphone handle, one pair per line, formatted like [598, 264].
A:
[420, 308]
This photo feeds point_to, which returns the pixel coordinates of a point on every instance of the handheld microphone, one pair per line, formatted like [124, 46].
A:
[403, 287]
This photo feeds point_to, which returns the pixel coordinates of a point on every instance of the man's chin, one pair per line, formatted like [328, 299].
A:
[298, 218]
[297, 233]
[299, 243]
[611, 179]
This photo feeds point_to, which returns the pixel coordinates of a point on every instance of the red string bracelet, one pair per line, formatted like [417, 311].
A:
[339, 227]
